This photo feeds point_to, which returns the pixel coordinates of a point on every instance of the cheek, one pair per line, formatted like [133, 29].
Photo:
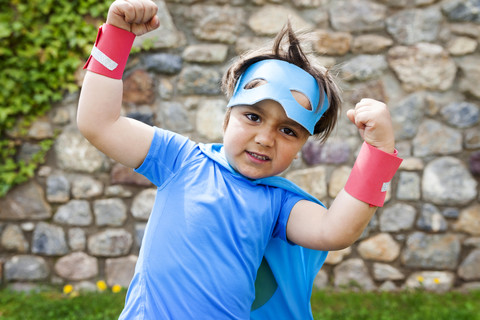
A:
[234, 129]
[225, 123]
[231, 138]
[226, 119]
[291, 152]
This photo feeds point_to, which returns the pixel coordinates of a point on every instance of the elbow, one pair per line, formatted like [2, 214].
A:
[83, 126]
[344, 236]
[339, 241]
[347, 240]
[87, 128]
[344, 244]
[339, 245]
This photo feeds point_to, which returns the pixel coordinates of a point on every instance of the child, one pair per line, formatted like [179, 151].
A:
[227, 237]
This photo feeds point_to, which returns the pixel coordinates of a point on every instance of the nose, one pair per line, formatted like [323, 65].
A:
[265, 137]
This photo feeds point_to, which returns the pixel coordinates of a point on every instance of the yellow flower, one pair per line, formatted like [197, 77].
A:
[436, 280]
[116, 288]
[68, 288]
[420, 279]
[101, 285]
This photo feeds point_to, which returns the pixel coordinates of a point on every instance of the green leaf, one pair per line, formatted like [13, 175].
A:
[42, 43]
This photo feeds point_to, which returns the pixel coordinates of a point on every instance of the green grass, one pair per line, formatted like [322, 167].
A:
[51, 305]
[414, 305]
[325, 305]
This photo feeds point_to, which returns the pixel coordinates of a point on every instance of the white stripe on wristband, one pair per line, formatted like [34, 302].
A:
[110, 52]
[103, 59]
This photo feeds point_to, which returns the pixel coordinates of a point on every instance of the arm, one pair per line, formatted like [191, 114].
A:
[123, 139]
[310, 225]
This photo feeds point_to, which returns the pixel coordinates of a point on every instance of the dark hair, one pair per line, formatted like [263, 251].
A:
[292, 53]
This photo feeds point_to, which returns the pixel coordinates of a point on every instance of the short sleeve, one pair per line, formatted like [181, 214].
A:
[288, 202]
[168, 152]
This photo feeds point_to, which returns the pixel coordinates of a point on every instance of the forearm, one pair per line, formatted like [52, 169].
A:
[346, 219]
[312, 226]
[364, 191]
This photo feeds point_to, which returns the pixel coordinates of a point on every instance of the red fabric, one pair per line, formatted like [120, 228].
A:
[115, 43]
[372, 170]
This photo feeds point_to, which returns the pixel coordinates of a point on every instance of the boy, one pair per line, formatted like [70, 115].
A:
[221, 213]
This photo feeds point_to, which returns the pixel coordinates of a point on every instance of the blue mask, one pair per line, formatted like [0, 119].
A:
[281, 79]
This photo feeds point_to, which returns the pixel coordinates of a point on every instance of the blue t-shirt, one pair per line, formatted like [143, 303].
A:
[206, 236]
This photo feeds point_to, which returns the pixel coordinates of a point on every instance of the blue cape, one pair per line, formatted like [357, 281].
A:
[285, 277]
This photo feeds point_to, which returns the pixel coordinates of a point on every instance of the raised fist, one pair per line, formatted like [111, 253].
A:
[136, 16]
[373, 121]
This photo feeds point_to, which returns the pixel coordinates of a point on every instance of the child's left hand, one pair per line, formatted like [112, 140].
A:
[136, 16]
[372, 119]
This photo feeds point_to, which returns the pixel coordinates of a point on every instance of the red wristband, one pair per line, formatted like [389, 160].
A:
[371, 175]
[110, 53]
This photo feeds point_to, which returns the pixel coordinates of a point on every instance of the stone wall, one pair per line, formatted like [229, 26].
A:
[82, 217]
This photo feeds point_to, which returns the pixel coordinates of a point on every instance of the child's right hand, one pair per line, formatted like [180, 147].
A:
[136, 16]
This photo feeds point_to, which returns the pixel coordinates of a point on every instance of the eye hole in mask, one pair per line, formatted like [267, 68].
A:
[299, 97]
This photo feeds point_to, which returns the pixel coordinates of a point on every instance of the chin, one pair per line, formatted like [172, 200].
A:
[253, 175]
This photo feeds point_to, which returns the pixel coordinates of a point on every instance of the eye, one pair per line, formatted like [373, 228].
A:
[253, 117]
[255, 83]
[289, 132]
[301, 99]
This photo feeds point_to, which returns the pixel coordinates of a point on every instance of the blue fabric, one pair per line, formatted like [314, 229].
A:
[293, 267]
[281, 79]
[206, 237]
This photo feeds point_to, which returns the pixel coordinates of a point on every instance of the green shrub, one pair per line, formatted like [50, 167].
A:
[42, 44]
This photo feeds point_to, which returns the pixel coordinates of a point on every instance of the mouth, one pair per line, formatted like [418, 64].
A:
[258, 156]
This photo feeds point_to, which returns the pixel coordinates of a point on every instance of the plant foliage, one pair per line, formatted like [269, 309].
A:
[54, 305]
[346, 305]
[42, 44]
[412, 305]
